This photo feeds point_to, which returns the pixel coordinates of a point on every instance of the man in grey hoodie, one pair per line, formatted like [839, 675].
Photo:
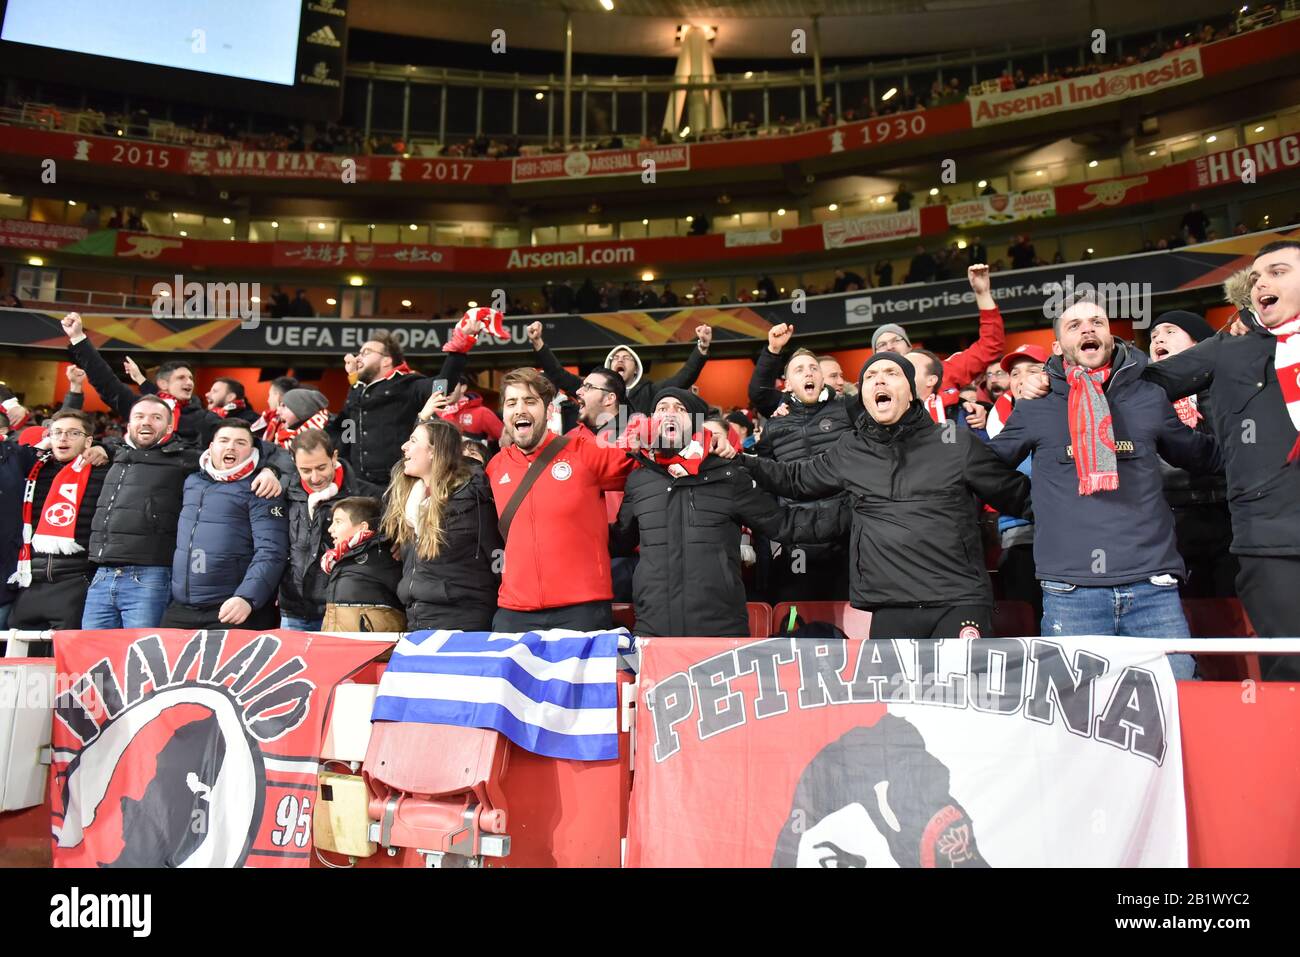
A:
[624, 361]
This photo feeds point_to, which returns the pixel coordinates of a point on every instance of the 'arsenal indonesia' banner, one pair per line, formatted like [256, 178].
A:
[191, 749]
[985, 752]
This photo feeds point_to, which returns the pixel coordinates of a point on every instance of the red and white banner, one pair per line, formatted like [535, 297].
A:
[584, 165]
[982, 752]
[879, 228]
[27, 234]
[752, 237]
[1002, 208]
[191, 749]
[1243, 164]
[1180, 66]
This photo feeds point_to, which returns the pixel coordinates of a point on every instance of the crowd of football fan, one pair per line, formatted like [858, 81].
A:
[1120, 479]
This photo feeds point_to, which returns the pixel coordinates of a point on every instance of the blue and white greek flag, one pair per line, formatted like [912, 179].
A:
[554, 693]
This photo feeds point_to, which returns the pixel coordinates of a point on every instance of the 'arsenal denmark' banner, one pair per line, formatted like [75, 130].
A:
[987, 752]
[191, 749]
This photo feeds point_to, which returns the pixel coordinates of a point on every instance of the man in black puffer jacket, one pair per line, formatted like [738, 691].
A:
[805, 419]
[231, 545]
[54, 571]
[684, 506]
[322, 480]
[916, 560]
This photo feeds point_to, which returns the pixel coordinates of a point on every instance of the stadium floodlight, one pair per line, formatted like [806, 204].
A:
[607, 4]
[889, 94]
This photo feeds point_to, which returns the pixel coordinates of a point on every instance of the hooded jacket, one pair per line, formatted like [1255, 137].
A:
[474, 419]
[1107, 538]
[915, 539]
[641, 392]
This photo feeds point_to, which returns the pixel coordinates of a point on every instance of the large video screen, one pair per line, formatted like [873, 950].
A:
[246, 39]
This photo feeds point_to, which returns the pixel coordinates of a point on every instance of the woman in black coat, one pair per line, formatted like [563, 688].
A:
[441, 513]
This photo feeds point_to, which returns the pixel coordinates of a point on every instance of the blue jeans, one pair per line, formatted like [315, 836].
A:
[299, 624]
[1137, 610]
[127, 596]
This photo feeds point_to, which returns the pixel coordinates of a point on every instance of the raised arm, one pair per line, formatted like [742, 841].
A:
[115, 393]
[685, 377]
[790, 526]
[963, 368]
[763, 393]
[1188, 372]
[560, 377]
[810, 479]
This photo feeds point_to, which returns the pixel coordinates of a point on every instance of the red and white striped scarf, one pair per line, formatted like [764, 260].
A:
[934, 406]
[56, 532]
[335, 554]
[1286, 360]
[174, 404]
[230, 406]
[1002, 409]
[285, 434]
[1187, 412]
[314, 498]
[232, 474]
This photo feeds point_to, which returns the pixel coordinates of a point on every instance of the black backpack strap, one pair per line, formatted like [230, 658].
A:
[556, 446]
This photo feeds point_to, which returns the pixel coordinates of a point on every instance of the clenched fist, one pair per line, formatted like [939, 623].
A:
[76, 379]
[704, 333]
[778, 337]
[351, 364]
[72, 327]
[534, 331]
[133, 370]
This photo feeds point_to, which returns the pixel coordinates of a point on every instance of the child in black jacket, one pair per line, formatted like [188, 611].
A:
[361, 594]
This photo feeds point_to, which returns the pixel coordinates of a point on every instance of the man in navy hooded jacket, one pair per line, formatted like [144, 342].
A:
[231, 546]
[1104, 544]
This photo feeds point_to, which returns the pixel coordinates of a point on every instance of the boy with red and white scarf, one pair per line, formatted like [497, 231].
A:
[361, 573]
[57, 507]
[1253, 382]
[1104, 540]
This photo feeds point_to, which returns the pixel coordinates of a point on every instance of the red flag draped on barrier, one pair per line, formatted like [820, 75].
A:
[191, 749]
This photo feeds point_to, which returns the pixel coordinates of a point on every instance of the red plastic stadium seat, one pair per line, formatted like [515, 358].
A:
[437, 787]
[1221, 618]
[624, 616]
[1014, 619]
[852, 621]
[760, 619]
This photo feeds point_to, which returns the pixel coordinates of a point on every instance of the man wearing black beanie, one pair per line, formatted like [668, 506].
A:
[914, 487]
[1202, 524]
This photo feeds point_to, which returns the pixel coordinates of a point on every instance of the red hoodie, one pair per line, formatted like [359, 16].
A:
[558, 550]
[473, 418]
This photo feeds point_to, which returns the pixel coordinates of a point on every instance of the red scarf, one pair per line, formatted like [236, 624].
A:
[997, 420]
[1187, 412]
[230, 406]
[687, 461]
[314, 498]
[1286, 361]
[934, 406]
[449, 412]
[174, 404]
[56, 533]
[335, 554]
[402, 369]
[285, 434]
[1092, 433]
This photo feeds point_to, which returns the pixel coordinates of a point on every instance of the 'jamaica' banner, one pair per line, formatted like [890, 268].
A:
[976, 752]
[191, 749]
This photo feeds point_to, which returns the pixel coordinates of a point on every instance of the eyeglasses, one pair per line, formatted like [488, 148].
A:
[372, 352]
[71, 434]
[599, 388]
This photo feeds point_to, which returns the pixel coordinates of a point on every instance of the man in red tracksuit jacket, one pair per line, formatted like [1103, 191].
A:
[964, 367]
[556, 572]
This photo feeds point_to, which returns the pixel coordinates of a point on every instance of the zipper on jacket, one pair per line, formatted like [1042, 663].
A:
[189, 550]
